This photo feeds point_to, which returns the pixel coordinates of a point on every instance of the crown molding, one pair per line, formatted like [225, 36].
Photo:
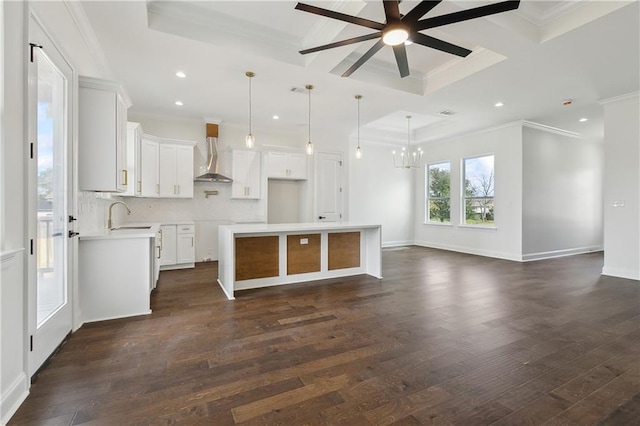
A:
[88, 35]
[619, 98]
[550, 129]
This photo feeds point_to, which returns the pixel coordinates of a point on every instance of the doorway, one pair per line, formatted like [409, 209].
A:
[51, 197]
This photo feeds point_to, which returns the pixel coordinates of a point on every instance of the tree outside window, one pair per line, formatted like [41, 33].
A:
[478, 178]
[439, 193]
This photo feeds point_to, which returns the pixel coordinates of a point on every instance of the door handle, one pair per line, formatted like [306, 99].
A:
[322, 217]
[58, 234]
[73, 234]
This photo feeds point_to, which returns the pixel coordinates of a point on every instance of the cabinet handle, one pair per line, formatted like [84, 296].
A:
[157, 188]
[126, 177]
[191, 241]
[159, 251]
[139, 186]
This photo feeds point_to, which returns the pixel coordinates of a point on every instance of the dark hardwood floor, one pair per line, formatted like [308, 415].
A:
[444, 339]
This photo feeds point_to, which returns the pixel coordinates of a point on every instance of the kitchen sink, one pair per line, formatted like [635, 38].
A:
[126, 228]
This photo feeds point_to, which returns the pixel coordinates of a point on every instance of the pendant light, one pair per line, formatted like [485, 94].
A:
[358, 150]
[408, 159]
[249, 140]
[309, 87]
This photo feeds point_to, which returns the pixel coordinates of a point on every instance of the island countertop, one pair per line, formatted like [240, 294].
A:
[263, 255]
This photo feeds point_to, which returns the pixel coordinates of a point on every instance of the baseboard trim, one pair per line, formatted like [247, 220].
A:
[560, 253]
[224, 290]
[467, 250]
[14, 397]
[621, 273]
[389, 244]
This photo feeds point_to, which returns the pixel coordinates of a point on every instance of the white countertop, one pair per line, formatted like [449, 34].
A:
[123, 233]
[249, 228]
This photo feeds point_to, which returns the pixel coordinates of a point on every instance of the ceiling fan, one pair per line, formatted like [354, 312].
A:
[399, 29]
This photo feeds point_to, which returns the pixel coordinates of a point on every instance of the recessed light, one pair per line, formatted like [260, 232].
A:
[583, 119]
[498, 104]
[179, 103]
[275, 117]
[180, 74]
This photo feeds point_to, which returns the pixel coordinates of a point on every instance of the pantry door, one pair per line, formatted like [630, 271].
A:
[329, 187]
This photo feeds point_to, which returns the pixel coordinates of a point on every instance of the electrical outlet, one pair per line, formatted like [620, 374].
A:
[304, 241]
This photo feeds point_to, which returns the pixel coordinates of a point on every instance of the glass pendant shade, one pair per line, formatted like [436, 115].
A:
[358, 153]
[309, 148]
[249, 141]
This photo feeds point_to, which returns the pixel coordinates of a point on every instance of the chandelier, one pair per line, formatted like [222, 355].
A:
[408, 159]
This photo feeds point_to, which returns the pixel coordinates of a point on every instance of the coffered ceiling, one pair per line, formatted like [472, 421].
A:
[531, 59]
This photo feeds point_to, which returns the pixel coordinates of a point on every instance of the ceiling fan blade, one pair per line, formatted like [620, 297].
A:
[400, 51]
[341, 43]
[364, 58]
[438, 44]
[420, 10]
[391, 10]
[465, 15]
[339, 16]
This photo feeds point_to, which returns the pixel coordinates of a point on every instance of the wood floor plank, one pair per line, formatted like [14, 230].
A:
[445, 339]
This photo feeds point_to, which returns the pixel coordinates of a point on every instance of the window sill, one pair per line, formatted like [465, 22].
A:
[446, 225]
[488, 227]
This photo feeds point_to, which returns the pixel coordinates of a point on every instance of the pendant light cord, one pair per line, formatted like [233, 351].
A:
[309, 89]
[249, 105]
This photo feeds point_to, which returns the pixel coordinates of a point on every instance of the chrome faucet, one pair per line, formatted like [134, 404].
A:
[110, 222]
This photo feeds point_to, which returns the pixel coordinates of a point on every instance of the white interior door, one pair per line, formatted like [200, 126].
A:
[329, 187]
[50, 189]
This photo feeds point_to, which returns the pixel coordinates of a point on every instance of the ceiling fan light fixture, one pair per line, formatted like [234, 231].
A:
[395, 36]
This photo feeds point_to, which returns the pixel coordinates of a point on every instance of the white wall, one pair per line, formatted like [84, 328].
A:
[14, 383]
[505, 240]
[381, 194]
[562, 193]
[622, 187]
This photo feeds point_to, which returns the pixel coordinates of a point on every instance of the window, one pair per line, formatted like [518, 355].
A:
[478, 178]
[438, 193]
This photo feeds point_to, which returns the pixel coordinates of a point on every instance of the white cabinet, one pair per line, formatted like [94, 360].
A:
[134, 140]
[186, 244]
[178, 246]
[148, 167]
[176, 170]
[246, 174]
[102, 136]
[168, 247]
[287, 165]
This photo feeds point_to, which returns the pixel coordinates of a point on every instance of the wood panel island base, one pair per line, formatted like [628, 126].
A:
[259, 255]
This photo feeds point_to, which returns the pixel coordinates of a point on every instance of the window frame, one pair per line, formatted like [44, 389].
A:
[464, 197]
[428, 198]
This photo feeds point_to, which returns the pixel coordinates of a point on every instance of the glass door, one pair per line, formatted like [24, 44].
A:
[50, 312]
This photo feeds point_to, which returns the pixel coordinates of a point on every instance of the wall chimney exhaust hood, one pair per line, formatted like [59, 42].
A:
[210, 171]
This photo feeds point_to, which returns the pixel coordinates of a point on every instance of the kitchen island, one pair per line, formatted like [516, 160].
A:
[264, 255]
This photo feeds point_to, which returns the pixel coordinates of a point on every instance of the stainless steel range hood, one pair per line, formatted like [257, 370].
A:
[211, 172]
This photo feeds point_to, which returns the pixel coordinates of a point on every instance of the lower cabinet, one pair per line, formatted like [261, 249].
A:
[178, 248]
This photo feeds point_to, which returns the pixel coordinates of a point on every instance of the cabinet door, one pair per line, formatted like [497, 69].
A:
[121, 145]
[168, 247]
[184, 171]
[297, 166]
[186, 248]
[149, 153]
[134, 133]
[239, 168]
[98, 163]
[277, 165]
[167, 171]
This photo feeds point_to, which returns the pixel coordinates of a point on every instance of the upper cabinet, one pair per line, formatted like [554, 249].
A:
[246, 171]
[286, 165]
[163, 167]
[176, 170]
[134, 139]
[102, 151]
